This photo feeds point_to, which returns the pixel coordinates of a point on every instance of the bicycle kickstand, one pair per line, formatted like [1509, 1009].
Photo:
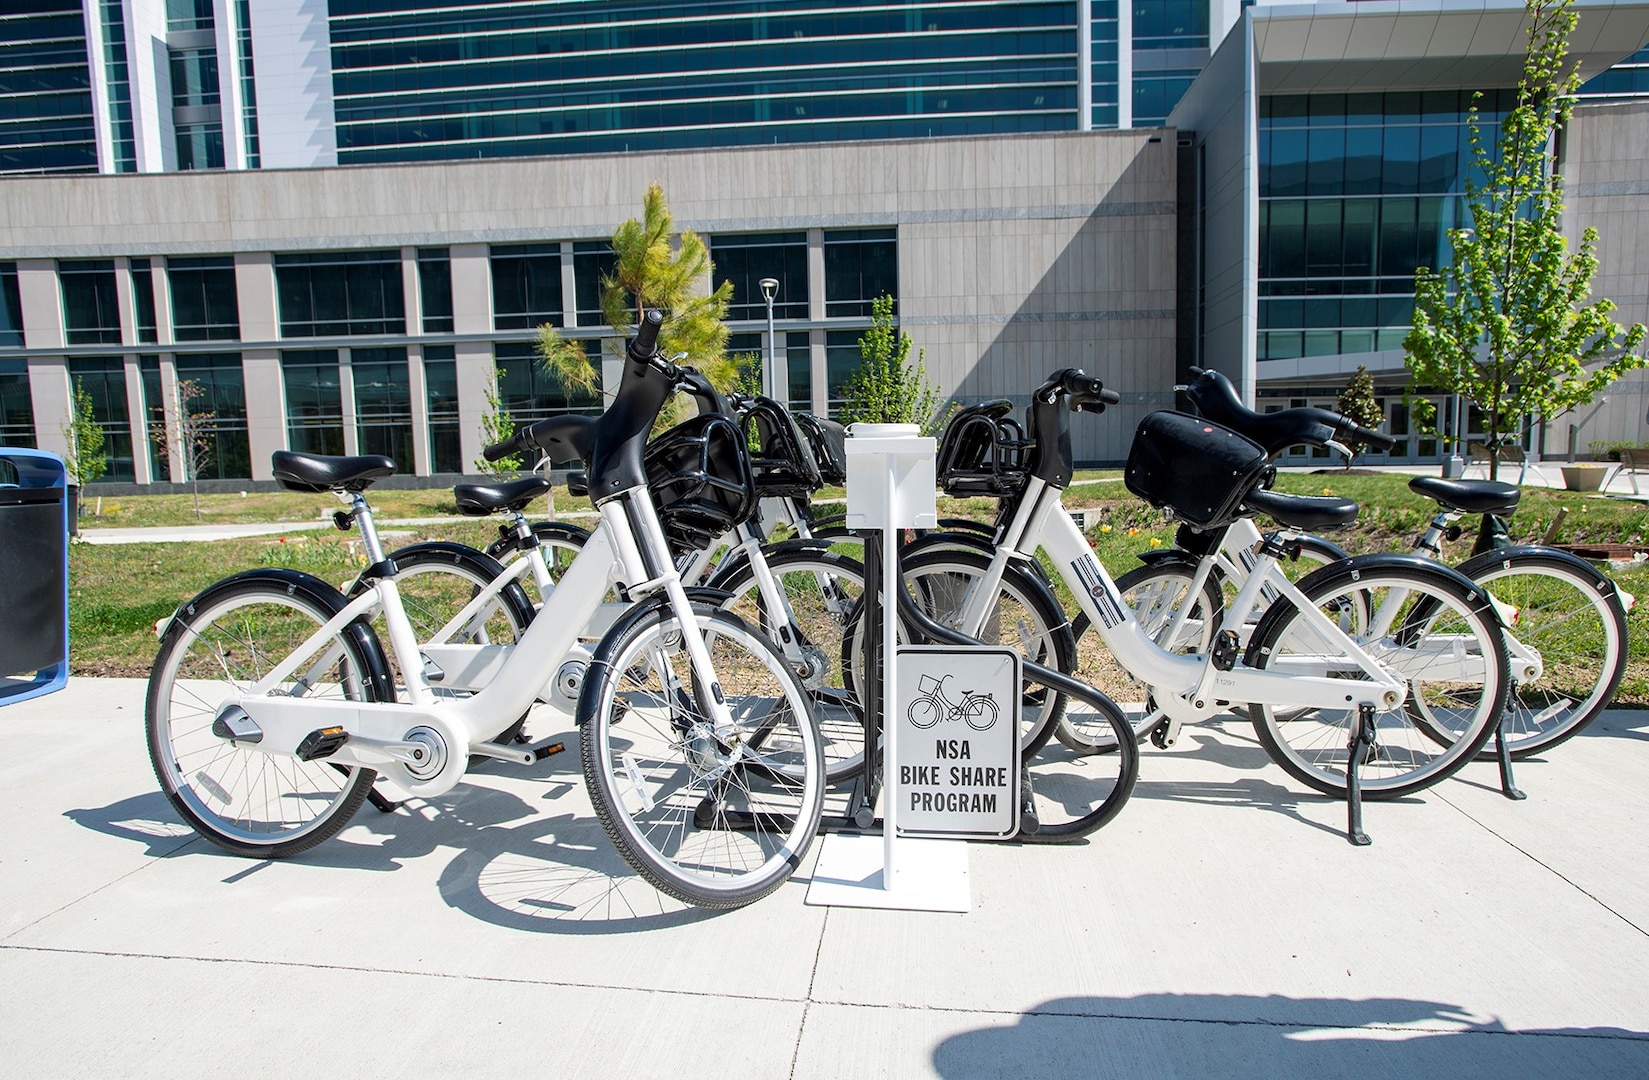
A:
[1508, 787]
[1362, 741]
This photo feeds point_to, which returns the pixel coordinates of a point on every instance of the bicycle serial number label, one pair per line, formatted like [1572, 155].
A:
[957, 768]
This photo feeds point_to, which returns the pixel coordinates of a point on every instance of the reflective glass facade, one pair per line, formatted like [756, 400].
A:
[441, 397]
[414, 80]
[860, 265]
[383, 404]
[791, 350]
[435, 289]
[118, 78]
[220, 393]
[91, 315]
[531, 393]
[526, 286]
[46, 120]
[143, 300]
[314, 401]
[1356, 191]
[104, 379]
[1626, 81]
[322, 294]
[16, 404]
[205, 306]
[11, 307]
[748, 258]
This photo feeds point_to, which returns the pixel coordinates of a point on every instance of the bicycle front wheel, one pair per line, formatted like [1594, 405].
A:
[1421, 622]
[1566, 631]
[220, 645]
[822, 590]
[1024, 615]
[713, 816]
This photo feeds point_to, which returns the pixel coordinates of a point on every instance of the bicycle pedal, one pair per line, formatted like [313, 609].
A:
[542, 752]
[321, 743]
[1225, 650]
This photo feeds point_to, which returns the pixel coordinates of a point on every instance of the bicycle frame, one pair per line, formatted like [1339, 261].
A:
[1186, 688]
[423, 745]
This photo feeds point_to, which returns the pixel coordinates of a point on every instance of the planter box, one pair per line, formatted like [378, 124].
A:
[1584, 477]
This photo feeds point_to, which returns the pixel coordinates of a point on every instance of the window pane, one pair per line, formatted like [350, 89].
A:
[526, 286]
[314, 401]
[859, 267]
[104, 379]
[745, 260]
[435, 290]
[322, 294]
[91, 315]
[220, 399]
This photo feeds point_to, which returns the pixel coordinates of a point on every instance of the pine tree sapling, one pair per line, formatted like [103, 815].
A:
[1508, 326]
[886, 389]
[1358, 404]
[654, 269]
[87, 460]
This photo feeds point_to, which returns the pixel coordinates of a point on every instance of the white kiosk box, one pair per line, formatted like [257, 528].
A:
[890, 486]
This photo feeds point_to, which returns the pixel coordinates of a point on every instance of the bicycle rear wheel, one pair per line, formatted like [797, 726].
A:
[715, 818]
[1564, 618]
[1436, 632]
[218, 646]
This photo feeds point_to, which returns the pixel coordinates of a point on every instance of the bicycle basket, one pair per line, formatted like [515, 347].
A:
[983, 452]
[1196, 469]
[783, 466]
[828, 441]
[699, 475]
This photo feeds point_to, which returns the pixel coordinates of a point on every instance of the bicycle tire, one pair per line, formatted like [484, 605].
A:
[1022, 598]
[559, 541]
[714, 819]
[221, 643]
[823, 589]
[1568, 613]
[1439, 608]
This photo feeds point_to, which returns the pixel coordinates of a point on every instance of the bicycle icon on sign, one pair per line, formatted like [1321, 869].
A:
[979, 711]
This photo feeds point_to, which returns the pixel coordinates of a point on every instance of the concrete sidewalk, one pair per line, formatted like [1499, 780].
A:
[1221, 926]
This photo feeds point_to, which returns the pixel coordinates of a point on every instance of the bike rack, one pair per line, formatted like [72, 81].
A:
[890, 487]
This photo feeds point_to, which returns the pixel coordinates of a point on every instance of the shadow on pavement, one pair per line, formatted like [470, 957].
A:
[1274, 1036]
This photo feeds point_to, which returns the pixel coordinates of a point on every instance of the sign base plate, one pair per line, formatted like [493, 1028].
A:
[929, 875]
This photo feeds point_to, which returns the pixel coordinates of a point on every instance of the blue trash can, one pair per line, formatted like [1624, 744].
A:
[34, 574]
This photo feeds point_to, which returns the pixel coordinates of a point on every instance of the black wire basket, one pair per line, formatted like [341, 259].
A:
[983, 452]
[828, 441]
[699, 474]
[780, 459]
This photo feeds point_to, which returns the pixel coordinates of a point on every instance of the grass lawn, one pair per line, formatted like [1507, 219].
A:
[117, 592]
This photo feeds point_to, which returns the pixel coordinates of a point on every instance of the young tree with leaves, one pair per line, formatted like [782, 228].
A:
[496, 426]
[886, 389]
[1507, 326]
[87, 460]
[189, 433]
[654, 269]
[1357, 401]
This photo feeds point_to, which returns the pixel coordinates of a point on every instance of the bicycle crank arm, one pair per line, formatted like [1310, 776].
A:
[423, 751]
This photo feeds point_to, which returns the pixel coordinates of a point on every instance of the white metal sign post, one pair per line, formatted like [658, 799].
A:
[890, 486]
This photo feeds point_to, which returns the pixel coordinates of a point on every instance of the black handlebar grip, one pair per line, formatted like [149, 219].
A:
[508, 448]
[645, 343]
[1374, 440]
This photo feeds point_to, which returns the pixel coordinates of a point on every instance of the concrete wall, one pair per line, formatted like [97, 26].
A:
[1607, 178]
[1018, 255]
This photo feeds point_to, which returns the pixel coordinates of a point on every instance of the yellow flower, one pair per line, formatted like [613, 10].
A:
[1155, 542]
[1104, 528]
[1133, 531]
[1328, 491]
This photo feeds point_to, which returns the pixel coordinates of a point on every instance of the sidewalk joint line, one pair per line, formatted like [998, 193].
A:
[155, 860]
[807, 1003]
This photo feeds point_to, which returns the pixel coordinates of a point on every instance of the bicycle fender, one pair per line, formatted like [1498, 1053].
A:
[1349, 571]
[1162, 555]
[598, 675]
[479, 561]
[732, 567]
[1477, 564]
[312, 588]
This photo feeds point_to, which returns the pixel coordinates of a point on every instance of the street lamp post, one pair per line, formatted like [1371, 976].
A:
[770, 289]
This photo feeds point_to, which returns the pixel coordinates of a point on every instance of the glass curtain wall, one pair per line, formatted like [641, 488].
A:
[529, 392]
[746, 259]
[143, 301]
[314, 401]
[593, 261]
[11, 308]
[1356, 191]
[328, 294]
[435, 289]
[418, 81]
[383, 404]
[104, 379]
[205, 305]
[441, 393]
[16, 405]
[154, 416]
[46, 123]
[219, 400]
[526, 286]
[860, 265]
[91, 315]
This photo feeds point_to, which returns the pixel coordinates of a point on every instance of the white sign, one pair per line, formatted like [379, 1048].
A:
[957, 772]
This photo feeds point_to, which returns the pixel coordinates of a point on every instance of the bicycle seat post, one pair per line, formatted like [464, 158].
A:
[371, 546]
